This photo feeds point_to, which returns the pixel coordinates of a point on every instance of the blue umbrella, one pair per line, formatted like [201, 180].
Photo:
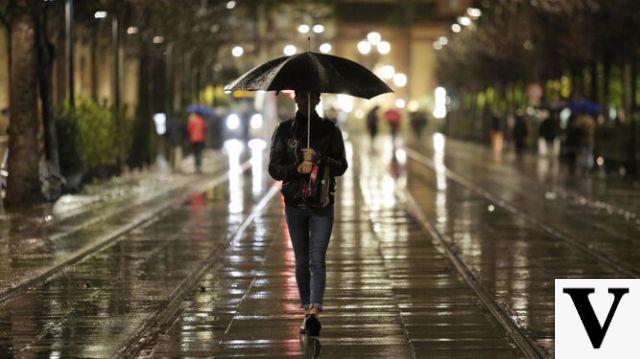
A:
[201, 110]
[591, 108]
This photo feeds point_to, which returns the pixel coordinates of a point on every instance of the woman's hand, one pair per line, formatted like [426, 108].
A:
[305, 167]
[309, 154]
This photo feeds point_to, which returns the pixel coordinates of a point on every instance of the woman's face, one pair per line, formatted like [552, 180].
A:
[301, 100]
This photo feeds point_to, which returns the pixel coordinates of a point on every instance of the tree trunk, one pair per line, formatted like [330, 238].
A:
[594, 81]
[606, 91]
[23, 184]
[45, 68]
[634, 83]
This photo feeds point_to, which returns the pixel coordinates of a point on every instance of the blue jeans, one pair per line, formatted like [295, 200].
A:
[310, 231]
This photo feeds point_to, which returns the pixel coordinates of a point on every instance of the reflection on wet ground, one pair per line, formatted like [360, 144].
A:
[512, 233]
[212, 275]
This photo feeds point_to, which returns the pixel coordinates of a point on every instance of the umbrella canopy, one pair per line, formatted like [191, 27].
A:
[591, 108]
[312, 72]
[201, 110]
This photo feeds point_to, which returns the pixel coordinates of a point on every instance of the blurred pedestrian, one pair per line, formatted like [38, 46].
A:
[393, 118]
[372, 123]
[418, 122]
[497, 134]
[548, 131]
[197, 135]
[176, 133]
[587, 126]
[308, 186]
[520, 133]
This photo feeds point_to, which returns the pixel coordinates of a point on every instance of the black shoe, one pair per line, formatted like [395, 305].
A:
[312, 325]
[303, 327]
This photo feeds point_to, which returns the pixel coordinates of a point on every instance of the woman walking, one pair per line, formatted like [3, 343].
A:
[308, 174]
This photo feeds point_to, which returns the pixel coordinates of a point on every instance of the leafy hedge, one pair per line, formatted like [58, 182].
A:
[88, 142]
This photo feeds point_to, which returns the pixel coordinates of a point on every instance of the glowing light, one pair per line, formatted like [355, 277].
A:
[345, 103]
[600, 161]
[384, 47]
[474, 12]
[318, 29]
[256, 121]
[237, 51]
[100, 14]
[400, 103]
[160, 120]
[374, 38]
[491, 208]
[364, 47]
[325, 48]
[437, 45]
[464, 21]
[231, 4]
[233, 121]
[400, 80]
[443, 40]
[158, 39]
[289, 50]
[456, 28]
[303, 29]
[413, 105]
[132, 30]
[387, 72]
[440, 108]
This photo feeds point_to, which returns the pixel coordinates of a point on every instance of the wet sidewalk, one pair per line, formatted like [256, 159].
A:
[39, 243]
[435, 253]
[391, 292]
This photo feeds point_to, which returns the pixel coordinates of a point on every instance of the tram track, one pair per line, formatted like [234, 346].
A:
[112, 237]
[520, 337]
[147, 333]
[622, 269]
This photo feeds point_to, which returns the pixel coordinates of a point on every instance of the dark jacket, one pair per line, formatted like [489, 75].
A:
[289, 138]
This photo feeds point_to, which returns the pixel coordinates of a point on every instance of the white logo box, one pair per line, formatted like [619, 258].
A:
[622, 338]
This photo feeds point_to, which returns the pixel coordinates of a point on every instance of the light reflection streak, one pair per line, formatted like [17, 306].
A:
[438, 160]
[234, 149]
[257, 146]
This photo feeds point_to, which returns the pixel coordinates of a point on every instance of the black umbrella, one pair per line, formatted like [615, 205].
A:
[312, 72]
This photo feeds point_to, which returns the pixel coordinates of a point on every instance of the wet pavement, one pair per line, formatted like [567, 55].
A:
[439, 251]
[36, 244]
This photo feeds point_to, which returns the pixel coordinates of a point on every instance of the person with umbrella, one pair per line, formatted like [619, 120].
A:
[307, 154]
[308, 176]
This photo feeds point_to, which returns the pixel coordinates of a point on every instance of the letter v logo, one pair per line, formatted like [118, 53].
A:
[580, 297]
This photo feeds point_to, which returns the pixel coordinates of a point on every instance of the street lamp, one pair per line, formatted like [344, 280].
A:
[443, 40]
[384, 47]
[456, 28]
[464, 21]
[289, 50]
[364, 47]
[400, 103]
[100, 15]
[237, 51]
[318, 29]
[231, 4]
[303, 29]
[132, 30]
[387, 72]
[158, 39]
[474, 12]
[325, 48]
[400, 80]
[374, 38]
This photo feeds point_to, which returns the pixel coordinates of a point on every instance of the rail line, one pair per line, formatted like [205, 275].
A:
[111, 238]
[620, 268]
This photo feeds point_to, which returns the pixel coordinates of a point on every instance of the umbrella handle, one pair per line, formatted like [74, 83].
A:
[308, 120]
